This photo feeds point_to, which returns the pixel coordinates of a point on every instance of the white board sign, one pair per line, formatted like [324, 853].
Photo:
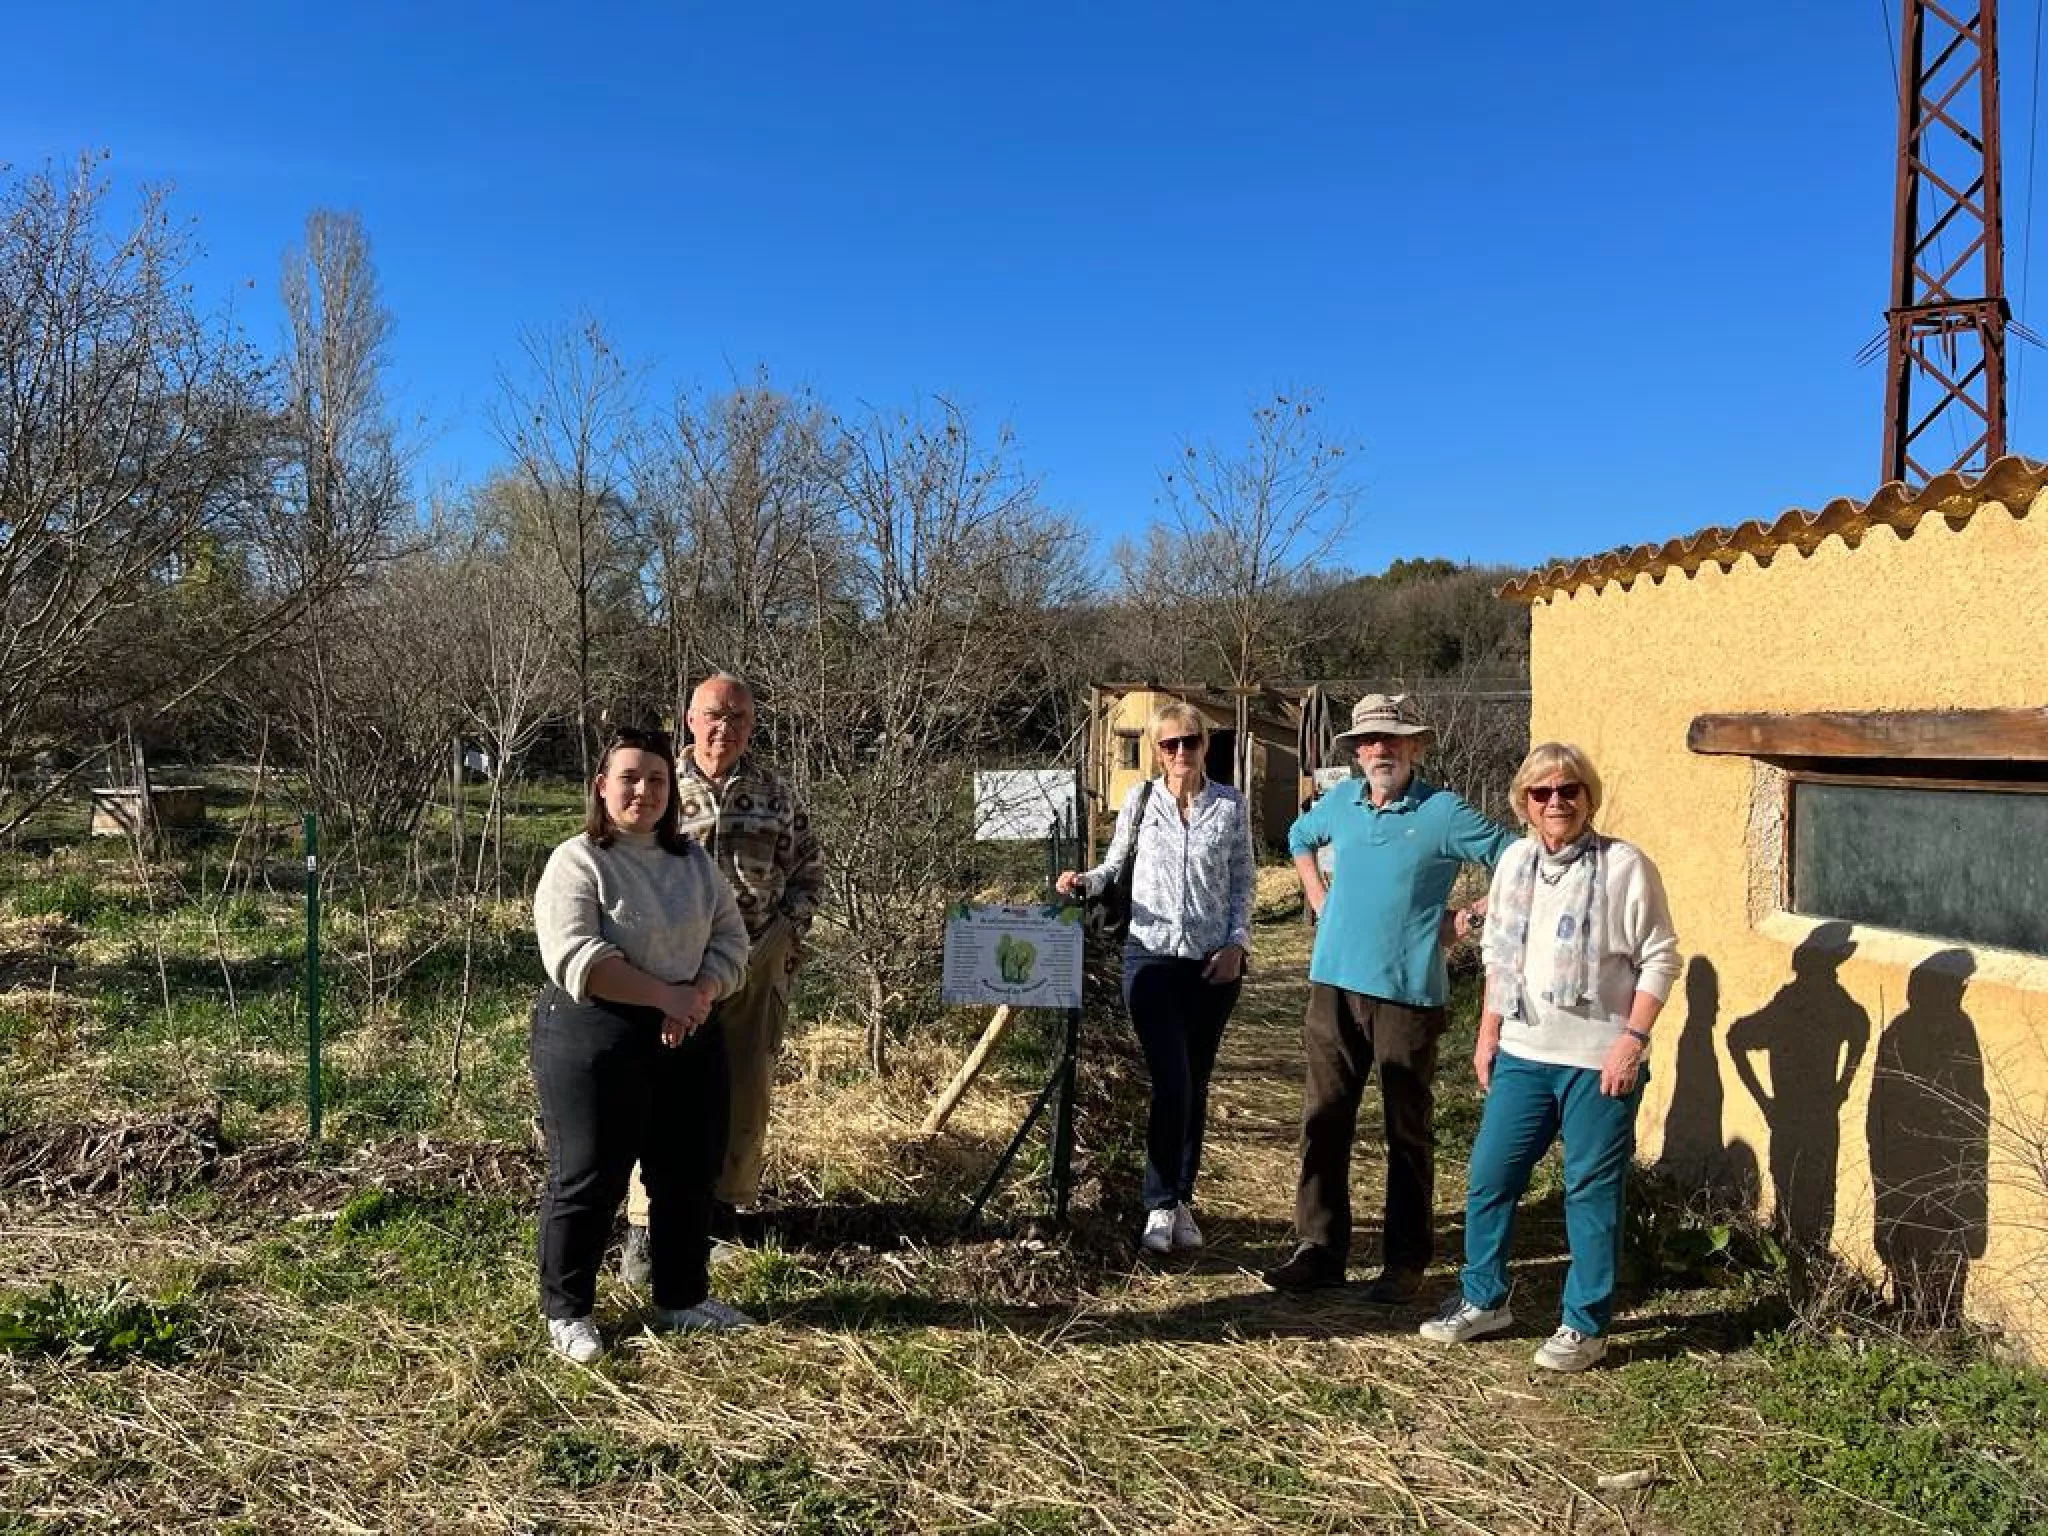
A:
[1028, 957]
[1017, 805]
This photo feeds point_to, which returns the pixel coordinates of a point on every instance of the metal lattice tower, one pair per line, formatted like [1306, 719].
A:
[1946, 358]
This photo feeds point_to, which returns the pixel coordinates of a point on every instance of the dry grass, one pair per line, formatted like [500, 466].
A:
[1135, 1407]
[355, 1345]
[376, 1367]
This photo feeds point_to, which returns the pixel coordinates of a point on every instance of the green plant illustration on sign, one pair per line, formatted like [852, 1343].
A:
[1015, 958]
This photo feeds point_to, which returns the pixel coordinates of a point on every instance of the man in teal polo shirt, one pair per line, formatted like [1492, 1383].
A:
[1377, 989]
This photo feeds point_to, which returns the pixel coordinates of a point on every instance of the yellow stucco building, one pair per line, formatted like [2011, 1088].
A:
[1829, 734]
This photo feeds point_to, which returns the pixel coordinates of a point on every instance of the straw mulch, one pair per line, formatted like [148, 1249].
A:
[909, 1376]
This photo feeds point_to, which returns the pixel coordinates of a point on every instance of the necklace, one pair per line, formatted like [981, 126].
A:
[1552, 879]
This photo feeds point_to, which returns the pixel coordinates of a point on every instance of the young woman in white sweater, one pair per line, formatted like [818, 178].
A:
[640, 935]
[1580, 955]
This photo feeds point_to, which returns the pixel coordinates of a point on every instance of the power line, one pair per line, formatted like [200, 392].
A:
[2027, 217]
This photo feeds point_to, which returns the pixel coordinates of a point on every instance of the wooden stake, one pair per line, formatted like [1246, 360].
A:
[970, 1069]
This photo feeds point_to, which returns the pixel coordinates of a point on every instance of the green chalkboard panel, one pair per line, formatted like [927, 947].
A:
[1964, 864]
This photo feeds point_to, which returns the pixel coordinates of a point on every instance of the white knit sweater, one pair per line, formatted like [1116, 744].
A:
[670, 914]
[1638, 953]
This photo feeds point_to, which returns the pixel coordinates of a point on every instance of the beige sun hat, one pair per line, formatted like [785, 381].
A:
[1383, 714]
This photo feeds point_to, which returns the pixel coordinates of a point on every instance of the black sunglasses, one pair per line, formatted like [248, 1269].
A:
[1181, 744]
[1541, 793]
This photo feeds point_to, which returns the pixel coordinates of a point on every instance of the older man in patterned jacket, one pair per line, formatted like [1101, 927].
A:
[760, 837]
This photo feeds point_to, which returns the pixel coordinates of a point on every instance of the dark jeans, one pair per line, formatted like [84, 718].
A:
[1344, 1035]
[611, 1092]
[1179, 1018]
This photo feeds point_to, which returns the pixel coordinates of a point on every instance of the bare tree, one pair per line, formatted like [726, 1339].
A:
[735, 504]
[341, 498]
[1245, 527]
[567, 419]
[921, 657]
[1482, 734]
[132, 434]
[1146, 627]
[509, 672]
[345, 477]
[508, 681]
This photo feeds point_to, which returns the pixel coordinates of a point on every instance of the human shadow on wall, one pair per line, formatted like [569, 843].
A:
[1929, 1126]
[1813, 1036]
[1694, 1153]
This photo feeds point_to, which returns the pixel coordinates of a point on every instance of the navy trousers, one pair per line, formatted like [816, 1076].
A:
[1179, 1018]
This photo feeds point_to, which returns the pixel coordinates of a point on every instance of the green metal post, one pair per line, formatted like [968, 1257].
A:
[312, 976]
[1067, 1073]
[1060, 1173]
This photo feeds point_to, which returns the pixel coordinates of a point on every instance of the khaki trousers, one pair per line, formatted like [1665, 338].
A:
[752, 1020]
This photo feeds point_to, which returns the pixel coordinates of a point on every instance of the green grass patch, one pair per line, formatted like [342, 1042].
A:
[1952, 1444]
[788, 1494]
[80, 898]
[929, 1368]
[772, 1283]
[431, 1255]
[582, 1459]
[111, 1324]
[432, 1231]
[1835, 1437]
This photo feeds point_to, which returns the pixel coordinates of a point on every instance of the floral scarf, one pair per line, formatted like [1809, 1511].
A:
[1580, 925]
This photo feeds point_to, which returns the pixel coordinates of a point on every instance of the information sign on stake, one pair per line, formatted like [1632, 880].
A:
[1028, 957]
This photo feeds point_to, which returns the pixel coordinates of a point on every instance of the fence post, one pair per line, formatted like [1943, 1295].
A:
[312, 976]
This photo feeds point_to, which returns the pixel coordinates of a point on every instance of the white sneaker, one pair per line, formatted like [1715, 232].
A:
[1158, 1234]
[709, 1316]
[1185, 1233]
[575, 1337]
[1570, 1350]
[1459, 1322]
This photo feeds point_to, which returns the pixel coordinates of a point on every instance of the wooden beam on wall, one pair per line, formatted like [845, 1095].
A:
[1989, 735]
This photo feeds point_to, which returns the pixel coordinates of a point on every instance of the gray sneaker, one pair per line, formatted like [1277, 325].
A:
[636, 1259]
[1570, 1350]
[1459, 1322]
[709, 1316]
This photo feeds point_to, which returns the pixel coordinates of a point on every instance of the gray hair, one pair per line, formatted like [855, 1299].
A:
[730, 679]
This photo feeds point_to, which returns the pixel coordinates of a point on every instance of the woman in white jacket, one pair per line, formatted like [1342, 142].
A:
[1580, 955]
[1191, 914]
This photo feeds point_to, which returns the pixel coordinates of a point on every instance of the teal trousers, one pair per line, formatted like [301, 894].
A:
[1530, 1105]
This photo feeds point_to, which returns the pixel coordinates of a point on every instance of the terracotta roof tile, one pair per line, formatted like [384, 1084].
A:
[2013, 481]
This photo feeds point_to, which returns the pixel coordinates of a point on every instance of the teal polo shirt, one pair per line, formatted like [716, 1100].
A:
[1393, 874]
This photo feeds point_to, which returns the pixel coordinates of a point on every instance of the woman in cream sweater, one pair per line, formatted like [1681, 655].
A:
[640, 935]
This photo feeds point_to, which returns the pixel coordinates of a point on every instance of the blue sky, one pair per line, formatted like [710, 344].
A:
[1572, 275]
